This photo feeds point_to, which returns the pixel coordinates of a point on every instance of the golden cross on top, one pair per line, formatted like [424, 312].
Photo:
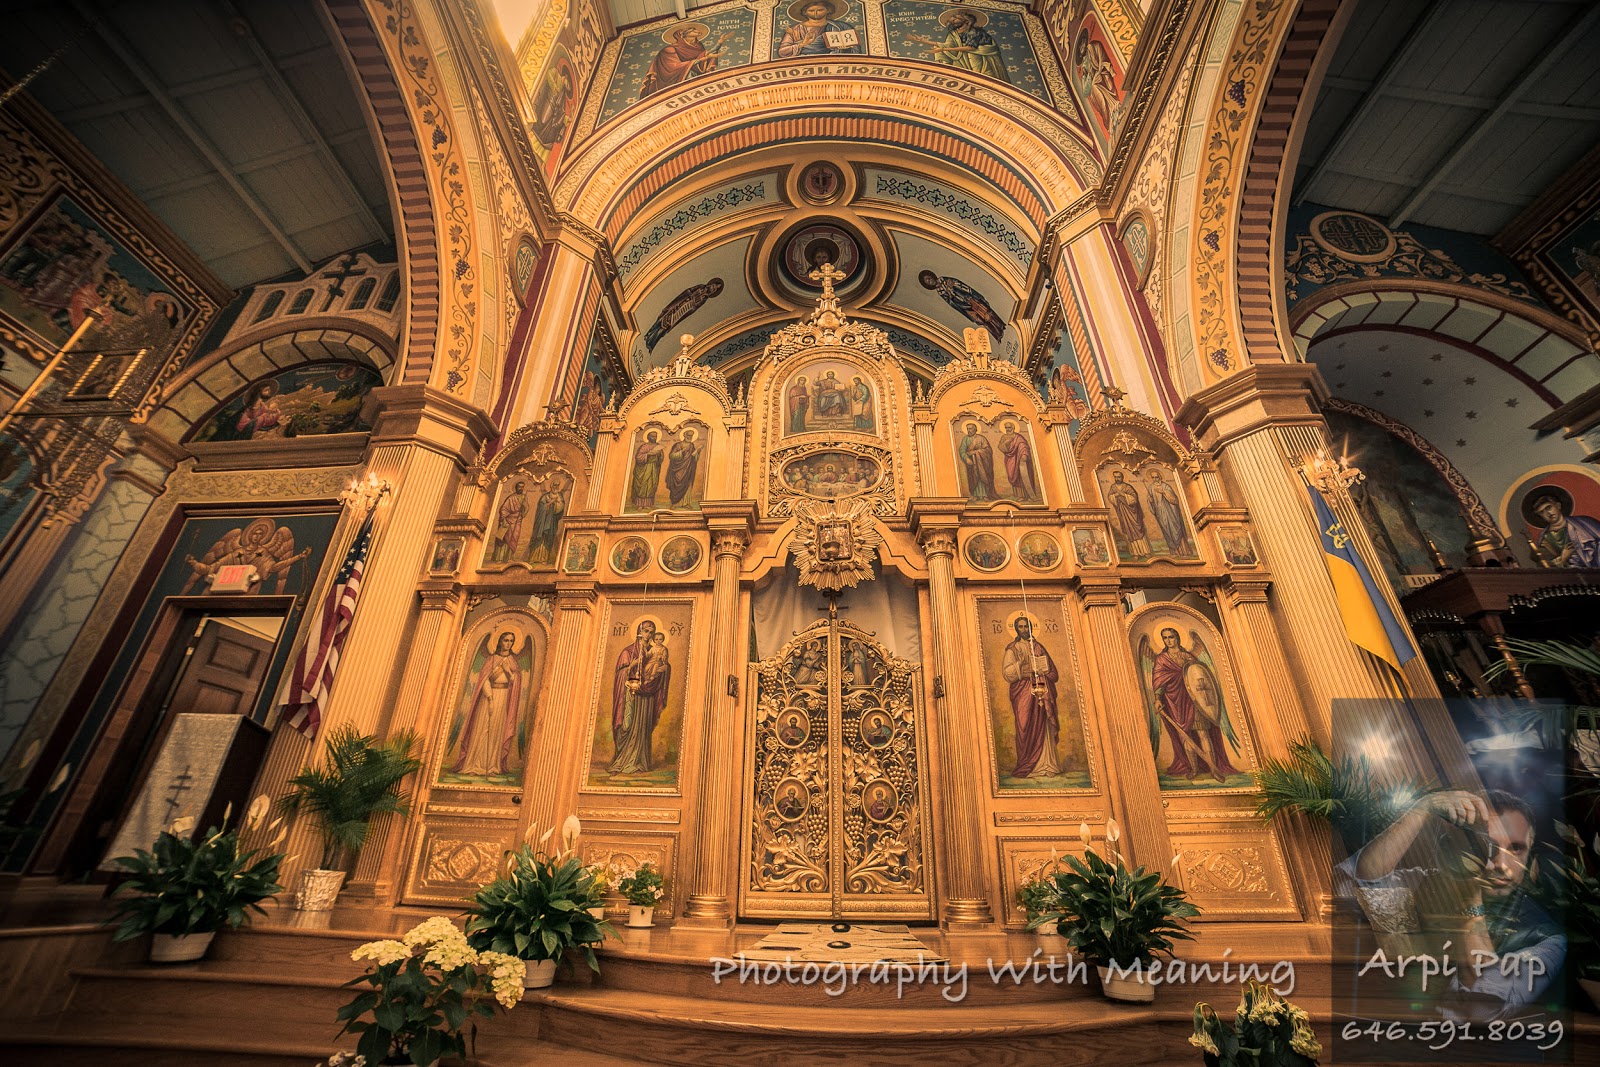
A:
[827, 274]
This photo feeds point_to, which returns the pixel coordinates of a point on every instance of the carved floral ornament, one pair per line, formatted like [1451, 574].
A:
[834, 546]
[535, 445]
[670, 379]
[1128, 434]
[984, 369]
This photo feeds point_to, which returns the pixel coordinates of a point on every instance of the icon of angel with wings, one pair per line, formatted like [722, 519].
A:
[1185, 700]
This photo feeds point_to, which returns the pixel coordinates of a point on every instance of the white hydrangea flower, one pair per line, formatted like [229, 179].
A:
[437, 929]
[448, 955]
[506, 974]
[382, 952]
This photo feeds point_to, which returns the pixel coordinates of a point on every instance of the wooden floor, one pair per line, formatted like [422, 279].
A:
[267, 995]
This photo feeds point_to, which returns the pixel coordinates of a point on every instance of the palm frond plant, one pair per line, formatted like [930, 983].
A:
[1345, 793]
[358, 780]
[539, 909]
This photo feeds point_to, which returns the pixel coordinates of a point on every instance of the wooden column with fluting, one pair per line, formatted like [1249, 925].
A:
[556, 763]
[570, 279]
[1262, 424]
[379, 868]
[1244, 420]
[422, 441]
[1132, 788]
[962, 776]
[1060, 423]
[715, 859]
[1278, 718]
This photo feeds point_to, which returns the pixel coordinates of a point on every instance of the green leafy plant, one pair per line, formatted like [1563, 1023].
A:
[1036, 896]
[540, 907]
[358, 780]
[1568, 888]
[1267, 1031]
[1111, 914]
[1344, 792]
[186, 886]
[643, 887]
[425, 991]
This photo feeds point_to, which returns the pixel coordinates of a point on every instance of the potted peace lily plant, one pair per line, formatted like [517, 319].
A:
[644, 889]
[358, 780]
[1115, 918]
[425, 990]
[183, 889]
[539, 909]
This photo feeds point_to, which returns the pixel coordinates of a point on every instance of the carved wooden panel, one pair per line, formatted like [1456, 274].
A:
[455, 857]
[1234, 870]
[838, 825]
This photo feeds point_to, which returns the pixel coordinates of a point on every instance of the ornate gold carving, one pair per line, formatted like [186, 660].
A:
[653, 815]
[977, 368]
[834, 547]
[1225, 870]
[682, 369]
[461, 861]
[1029, 818]
[838, 807]
[412, 57]
[512, 451]
[1226, 151]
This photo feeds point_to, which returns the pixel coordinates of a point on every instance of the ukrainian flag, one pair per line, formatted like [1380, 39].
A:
[1367, 618]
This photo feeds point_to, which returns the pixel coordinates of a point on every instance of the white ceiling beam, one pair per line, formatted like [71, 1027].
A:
[284, 93]
[196, 137]
[1395, 63]
[1546, 110]
[1564, 38]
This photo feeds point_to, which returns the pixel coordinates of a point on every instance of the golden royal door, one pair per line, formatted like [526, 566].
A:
[837, 824]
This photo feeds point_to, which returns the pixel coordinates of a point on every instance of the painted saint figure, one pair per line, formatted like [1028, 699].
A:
[861, 403]
[1168, 512]
[1188, 707]
[966, 300]
[799, 402]
[1568, 540]
[490, 727]
[968, 45]
[679, 308]
[1128, 514]
[1097, 76]
[977, 455]
[1018, 455]
[638, 697]
[508, 523]
[683, 57]
[1032, 675]
[830, 395]
[807, 35]
[647, 471]
[683, 459]
[547, 520]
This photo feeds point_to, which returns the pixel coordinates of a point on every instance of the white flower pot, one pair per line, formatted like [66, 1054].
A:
[179, 948]
[639, 916]
[318, 889]
[599, 912]
[1132, 987]
[541, 974]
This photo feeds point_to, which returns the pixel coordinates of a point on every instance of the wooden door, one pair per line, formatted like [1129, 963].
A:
[837, 823]
[224, 672]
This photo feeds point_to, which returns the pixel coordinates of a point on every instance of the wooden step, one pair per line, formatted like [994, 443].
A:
[684, 1030]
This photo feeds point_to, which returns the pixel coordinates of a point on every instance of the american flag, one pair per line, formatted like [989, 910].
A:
[319, 659]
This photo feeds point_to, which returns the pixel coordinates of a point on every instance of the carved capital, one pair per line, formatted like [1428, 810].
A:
[937, 541]
[726, 543]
